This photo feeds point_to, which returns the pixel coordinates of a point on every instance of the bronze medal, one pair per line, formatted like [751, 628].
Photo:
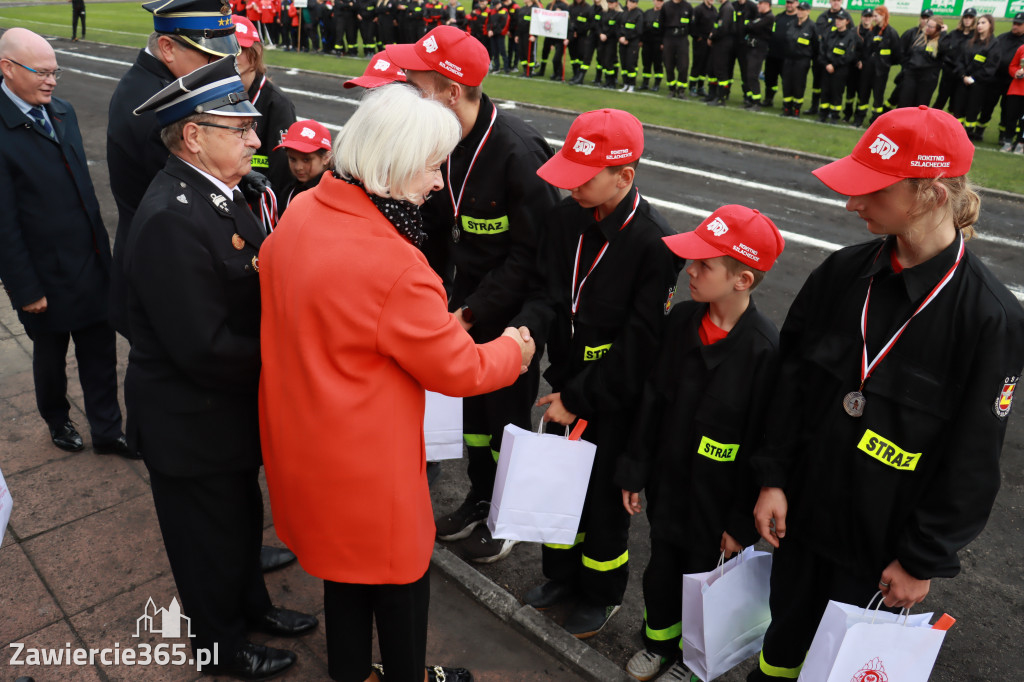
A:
[455, 233]
[853, 403]
[237, 242]
[256, 263]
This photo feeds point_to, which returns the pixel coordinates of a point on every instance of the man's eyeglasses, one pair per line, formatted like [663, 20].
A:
[41, 75]
[243, 132]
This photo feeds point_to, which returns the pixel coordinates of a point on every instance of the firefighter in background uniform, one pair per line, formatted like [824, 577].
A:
[758, 36]
[592, 44]
[580, 15]
[1005, 47]
[838, 52]
[387, 23]
[825, 24]
[607, 55]
[921, 65]
[525, 43]
[952, 45]
[651, 48]
[603, 332]
[477, 23]
[853, 74]
[705, 16]
[491, 215]
[721, 45]
[344, 16]
[977, 72]
[631, 26]
[366, 11]
[554, 48]
[514, 19]
[912, 466]
[410, 21]
[743, 12]
[801, 47]
[453, 14]
[881, 52]
[777, 52]
[497, 28]
[676, 16]
[907, 40]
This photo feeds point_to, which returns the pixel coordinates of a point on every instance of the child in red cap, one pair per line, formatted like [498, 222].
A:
[308, 145]
[699, 420]
[899, 360]
[601, 309]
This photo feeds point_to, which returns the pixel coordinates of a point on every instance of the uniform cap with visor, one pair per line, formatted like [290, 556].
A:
[804, 6]
[742, 233]
[1019, 18]
[445, 49]
[203, 25]
[596, 140]
[213, 89]
[306, 137]
[912, 142]
[245, 31]
[970, 12]
[380, 71]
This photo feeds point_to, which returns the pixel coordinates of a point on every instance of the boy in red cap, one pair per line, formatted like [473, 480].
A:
[898, 363]
[607, 279]
[308, 145]
[700, 418]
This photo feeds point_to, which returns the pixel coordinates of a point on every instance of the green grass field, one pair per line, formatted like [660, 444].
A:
[127, 24]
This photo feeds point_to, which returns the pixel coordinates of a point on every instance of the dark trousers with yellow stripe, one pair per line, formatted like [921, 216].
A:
[802, 584]
[483, 420]
[598, 562]
[676, 53]
[663, 592]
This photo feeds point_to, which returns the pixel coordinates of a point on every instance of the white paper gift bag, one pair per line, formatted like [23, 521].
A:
[442, 426]
[5, 506]
[540, 486]
[865, 644]
[725, 613]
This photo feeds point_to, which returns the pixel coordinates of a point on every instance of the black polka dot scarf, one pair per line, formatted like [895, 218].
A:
[404, 215]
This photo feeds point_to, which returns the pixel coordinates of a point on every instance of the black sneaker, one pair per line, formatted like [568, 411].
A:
[435, 673]
[546, 595]
[482, 548]
[587, 619]
[461, 522]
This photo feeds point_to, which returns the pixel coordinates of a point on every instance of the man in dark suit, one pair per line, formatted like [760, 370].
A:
[187, 34]
[54, 250]
[191, 265]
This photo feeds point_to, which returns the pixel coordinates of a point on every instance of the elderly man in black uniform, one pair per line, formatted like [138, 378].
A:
[492, 207]
[54, 250]
[191, 266]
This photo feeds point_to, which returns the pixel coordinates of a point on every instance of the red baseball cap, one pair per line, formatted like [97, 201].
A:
[596, 140]
[305, 136]
[743, 233]
[446, 50]
[912, 142]
[378, 72]
[245, 32]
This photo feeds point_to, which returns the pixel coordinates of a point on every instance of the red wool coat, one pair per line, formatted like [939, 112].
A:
[354, 327]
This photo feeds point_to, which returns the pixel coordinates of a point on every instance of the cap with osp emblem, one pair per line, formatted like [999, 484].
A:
[843, 14]
[970, 12]
[245, 31]
[867, 12]
[380, 71]
[596, 140]
[446, 50]
[743, 233]
[913, 142]
[306, 136]
[212, 89]
[1019, 18]
[202, 24]
[927, 13]
[804, 5]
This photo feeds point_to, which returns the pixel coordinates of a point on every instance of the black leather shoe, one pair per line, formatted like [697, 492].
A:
[587, 619]
[117, 447]
[437, 673]
[254, 662]
[550, 593]
[66, 437]
[273, 558]
[284, 622]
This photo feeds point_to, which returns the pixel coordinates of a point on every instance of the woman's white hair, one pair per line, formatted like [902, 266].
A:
[392, 137]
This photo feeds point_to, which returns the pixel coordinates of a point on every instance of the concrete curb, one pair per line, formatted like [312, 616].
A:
[544, 631]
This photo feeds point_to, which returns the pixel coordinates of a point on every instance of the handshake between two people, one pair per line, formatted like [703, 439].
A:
[527, 346]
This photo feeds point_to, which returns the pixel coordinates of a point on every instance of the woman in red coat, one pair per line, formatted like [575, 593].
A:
[355, 326]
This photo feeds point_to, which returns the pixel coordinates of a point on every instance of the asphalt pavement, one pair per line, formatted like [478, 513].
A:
[84, 553]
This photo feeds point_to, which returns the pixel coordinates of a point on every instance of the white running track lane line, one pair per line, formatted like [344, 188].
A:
[18, 22]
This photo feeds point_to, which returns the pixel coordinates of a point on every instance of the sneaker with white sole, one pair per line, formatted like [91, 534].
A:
[461, 522]
[482, 548]
[1019, 149]
[587, 619]
[645, 665]
[678, 673]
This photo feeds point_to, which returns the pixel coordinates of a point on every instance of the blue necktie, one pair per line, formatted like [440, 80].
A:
[37, 114]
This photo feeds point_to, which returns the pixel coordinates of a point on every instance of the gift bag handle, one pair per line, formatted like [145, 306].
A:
[581, 424]
[904, 612]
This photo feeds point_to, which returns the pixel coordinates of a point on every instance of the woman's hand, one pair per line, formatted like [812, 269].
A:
[556, 411]
[526, 345]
